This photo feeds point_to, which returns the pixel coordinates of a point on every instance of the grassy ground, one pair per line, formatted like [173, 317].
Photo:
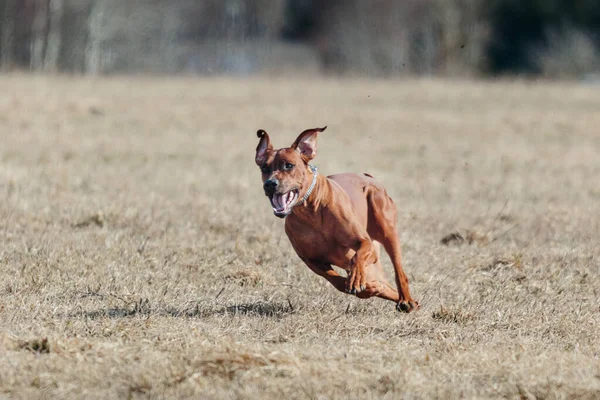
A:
[140, 259]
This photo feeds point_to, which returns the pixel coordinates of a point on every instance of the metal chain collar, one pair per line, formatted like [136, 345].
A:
[312, 185]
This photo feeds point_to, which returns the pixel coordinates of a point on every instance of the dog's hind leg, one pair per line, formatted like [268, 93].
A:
[377, 284]
[382, 227]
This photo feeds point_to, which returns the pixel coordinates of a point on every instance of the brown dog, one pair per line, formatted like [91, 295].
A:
[336, 220]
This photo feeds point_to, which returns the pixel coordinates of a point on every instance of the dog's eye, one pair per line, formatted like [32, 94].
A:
[288, 166]
[265, 169]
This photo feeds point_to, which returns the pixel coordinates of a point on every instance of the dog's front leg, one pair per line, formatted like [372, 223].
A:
[357, 278]
[325, 270]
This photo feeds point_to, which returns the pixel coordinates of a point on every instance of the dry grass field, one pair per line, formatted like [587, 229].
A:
[139, 257]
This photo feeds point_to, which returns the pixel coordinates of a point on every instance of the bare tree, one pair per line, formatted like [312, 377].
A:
[9, 10]
[93, 49]
[39, 34]
[55, 11]
[2, 21]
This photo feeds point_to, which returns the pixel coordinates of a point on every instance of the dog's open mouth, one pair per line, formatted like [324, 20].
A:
[283, 202]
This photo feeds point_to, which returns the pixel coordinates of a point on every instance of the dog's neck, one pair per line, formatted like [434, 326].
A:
[313, 182]
[316, 199]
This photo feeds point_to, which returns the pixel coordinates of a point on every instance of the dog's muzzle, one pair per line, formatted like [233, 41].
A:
[283, 203]
[271, 186]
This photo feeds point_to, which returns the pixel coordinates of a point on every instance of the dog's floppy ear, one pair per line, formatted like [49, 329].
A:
[264, 147]
[306, 143]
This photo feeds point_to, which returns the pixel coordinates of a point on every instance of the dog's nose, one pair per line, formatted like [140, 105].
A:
[270, 186]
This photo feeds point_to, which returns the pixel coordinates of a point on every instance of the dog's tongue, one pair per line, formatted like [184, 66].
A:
[281, 202]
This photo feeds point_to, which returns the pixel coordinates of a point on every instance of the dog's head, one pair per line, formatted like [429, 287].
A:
[285, 172]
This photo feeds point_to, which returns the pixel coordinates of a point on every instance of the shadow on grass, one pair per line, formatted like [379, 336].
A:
[256, 309]
[108, 313]
[260, 309]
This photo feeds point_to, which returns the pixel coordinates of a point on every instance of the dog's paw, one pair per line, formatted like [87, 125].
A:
[356, 281]
[407, 306]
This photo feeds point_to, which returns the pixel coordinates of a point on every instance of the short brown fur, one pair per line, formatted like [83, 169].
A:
[342, 222]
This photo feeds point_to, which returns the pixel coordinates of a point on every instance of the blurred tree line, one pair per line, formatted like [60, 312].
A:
[374, 37]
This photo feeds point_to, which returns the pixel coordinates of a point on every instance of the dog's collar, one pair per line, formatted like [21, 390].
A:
[312, 185]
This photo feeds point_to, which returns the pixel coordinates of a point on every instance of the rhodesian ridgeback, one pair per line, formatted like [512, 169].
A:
[335, 220]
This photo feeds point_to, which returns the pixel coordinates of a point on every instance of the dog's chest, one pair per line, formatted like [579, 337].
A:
[313, 243]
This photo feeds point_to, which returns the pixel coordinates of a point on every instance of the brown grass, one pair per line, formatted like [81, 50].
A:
[139, 259]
